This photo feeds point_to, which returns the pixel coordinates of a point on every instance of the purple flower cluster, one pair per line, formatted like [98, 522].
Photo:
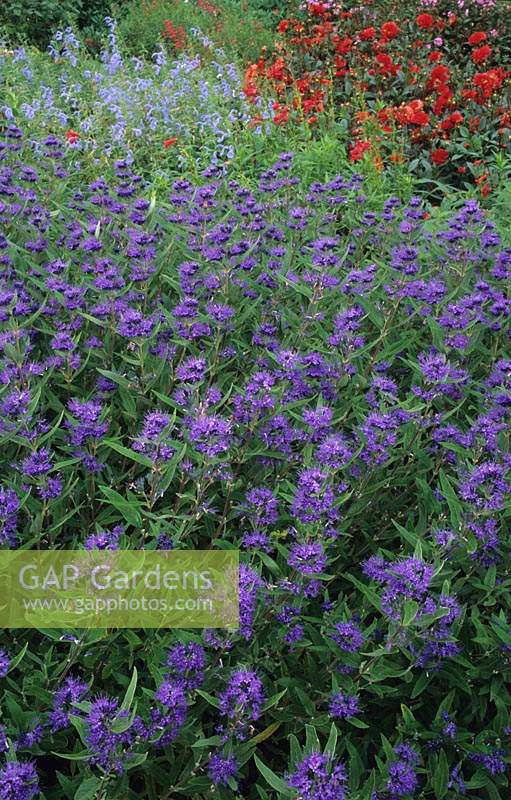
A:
[154, 439]
[72, 691]
[186, 664]
[406, 579]
[222, 768]
[242, 700]
[318, 776]
[314, 497]
[5, 662]
[105, 744]
[403, 779]
[250, 585]
[168, 719]
[409, 580]
[184, 673]
[492, 762]
[9, 506]
[348, 636]
[343, 706]
[18, 781]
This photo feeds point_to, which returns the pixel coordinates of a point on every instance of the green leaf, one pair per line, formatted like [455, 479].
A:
[66, 784]
[170, 470]
[127, 453]
[274, 780]
[135, 760]
[212, 741]
[124, 723]
[128, 510]
[445, 705]
[83, 756]
[408, 717]
[492, 790]
[421, 684]
[369, 593]
[83, 705]
[311, 739]
[209, 697]
[357, 723]
[269, 731]
[440, 777]
[295, 749]
[411, 608]
[130, 692]
[452, 500]
[120, 380]
[88, 788]
[418, 549]
[80, 726]
[332, 741]
[272, 701]
[305, 700]
[16, 660]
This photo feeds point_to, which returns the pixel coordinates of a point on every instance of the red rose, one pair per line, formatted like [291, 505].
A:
[169, 142]
[72, 136]
[367, 34]
[424, 21]
[283, 26]
[389, 30]
[480, 54]
[439, 156]
[477, 38]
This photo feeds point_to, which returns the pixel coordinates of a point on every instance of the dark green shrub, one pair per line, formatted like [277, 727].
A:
[35, 21]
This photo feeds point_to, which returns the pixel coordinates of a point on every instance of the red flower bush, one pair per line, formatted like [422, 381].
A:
[358, 150]
[175, 33]
[415, 99]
